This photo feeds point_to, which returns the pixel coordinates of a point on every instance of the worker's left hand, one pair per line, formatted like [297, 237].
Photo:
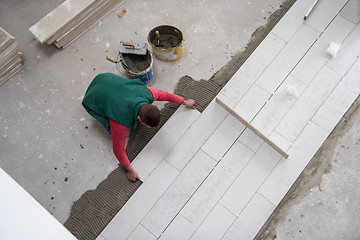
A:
[190, 103]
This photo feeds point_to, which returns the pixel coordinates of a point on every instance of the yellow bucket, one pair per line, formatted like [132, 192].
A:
[167, 43]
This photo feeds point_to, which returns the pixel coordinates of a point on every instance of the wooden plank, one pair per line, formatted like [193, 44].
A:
[175, 197]
[247, 124]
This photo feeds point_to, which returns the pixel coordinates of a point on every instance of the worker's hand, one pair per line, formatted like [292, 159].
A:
[132, 174]
[190, 103]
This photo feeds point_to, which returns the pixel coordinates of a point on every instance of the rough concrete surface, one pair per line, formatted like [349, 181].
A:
[324, 202]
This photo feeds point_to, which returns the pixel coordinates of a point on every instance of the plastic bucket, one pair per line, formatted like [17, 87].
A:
[168, 45]
[138, 66]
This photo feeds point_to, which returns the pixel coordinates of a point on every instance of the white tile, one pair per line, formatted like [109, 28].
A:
[258, 61]
[163, 141]
[22, 217]
[100, 237]
[251, 103]
[293, 19]
[280, 141]
[215, 225]
[323, 13]
[180, 191]
[223, 137]
[309, 102]
[250, 179]
[351, 11]
[215, 185]
[225, 100]
[287, 59]
[141, 233]
[248, 224]
[339, 100]
[316, 57]
[179, 229]
[198, 133]
[250, 139]
[348, 53]
[135, 209]
[287, 170]
[279, 104]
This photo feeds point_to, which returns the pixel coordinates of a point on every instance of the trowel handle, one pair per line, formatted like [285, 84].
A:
[157, 34]
[128, 44]
[111, 59]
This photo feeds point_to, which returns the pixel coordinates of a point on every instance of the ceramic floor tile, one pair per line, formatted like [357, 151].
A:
[324, 12]
[248, 224]
[179, 229]
[316, 57]
[279, 104]
[100, 237]
[280, 141]
[293, 19]
[216, 184]
[175, 197]
[287, 170]
[195, 137]
[351, 11]
[309, 102]
[57, 18]
[215, 225]
[163, 141]
[339, 100]
[135, 209]
[250, 140]
[252, 103]
[287, 59]
[141, 233]
[223, 137]
[19, 209]
[250, 179]
[348, 53]
[259, 60]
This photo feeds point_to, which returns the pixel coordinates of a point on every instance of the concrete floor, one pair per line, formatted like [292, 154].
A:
[56, 151]
[49, 144]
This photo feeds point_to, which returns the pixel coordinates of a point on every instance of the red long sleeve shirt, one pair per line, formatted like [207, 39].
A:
[119, 132]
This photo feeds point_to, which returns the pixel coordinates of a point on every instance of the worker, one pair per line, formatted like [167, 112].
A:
[119, 104]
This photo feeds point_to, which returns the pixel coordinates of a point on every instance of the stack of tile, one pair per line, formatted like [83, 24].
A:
[70, 20]
[10, 57]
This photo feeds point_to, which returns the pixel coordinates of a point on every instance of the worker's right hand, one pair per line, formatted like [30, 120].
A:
[132, 174]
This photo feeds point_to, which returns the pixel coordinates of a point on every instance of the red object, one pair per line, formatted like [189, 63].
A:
[119, 132]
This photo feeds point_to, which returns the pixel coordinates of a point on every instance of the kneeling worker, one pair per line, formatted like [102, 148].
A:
[119, 103]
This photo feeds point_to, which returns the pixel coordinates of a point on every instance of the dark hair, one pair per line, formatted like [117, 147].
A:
[150, 115]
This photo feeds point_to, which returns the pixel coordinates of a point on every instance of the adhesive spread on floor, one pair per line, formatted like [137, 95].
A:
[95, 209]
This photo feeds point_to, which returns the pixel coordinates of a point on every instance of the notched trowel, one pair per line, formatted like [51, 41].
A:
[133, 48]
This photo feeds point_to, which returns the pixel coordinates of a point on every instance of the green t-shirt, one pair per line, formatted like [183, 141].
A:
[111, 96]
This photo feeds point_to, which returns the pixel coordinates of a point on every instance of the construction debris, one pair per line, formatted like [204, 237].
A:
[10, 57]
[122, 13]
[70, 20]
